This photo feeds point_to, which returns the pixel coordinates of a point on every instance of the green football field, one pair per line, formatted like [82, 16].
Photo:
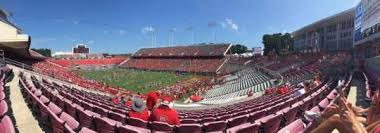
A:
[134, 80]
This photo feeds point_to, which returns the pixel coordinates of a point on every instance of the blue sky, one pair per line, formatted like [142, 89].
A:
[122, 26]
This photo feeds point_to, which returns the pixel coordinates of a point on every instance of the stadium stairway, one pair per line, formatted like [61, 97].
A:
[24, 119]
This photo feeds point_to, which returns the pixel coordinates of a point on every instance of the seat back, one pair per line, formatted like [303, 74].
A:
[87, 106]
[271, 123]
[131, 129]
[70, 109]
[85, 118]
[3, 108]
[323, 104]
[56, 122]
[256, 115]
[244, 128]
[60, 102]
[237, 120]
[7, 125]
[215, 126]
[70, 121]
[161, 126]
[136, 122]
[188, 121]
[207, 119]
[44, 99]
[290, 115]
[185, 128]
[103, 112]
[295, 127]
[54, 108]
[105, 125]
[118, 117]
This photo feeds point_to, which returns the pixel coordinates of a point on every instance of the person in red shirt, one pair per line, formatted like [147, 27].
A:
[250, 93]
[152, 99]
[164, 113]
[139, 110]
[128, 103]
[115, 100]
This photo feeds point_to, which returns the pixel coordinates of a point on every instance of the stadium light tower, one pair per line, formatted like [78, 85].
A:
[153, 34]
[155, 38]
[212, 25]
[172, 30]
[191, 30]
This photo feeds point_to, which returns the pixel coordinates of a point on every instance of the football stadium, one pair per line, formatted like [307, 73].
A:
[322, 77]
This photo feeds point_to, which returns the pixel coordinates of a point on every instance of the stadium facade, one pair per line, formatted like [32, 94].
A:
[331, 34]
[367, 27]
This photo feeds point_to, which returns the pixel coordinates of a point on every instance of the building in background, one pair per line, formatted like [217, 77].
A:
[81, 49]
[367, 29]
[331, 34]
[257, 51]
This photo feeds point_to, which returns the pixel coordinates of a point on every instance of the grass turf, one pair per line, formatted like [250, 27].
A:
[134, 80]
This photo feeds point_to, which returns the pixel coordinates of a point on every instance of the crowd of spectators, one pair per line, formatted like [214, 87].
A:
[184, 51]
[198, 65]
[195, 85]
[61, 73]
[197, 58]
[88, 62]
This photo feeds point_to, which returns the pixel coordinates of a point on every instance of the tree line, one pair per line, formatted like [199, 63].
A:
[278, 43]
[43, 51]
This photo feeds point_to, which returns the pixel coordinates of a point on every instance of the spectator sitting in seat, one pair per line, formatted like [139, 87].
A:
[152, 99]
[300, 91]
[128, 103]
[195, 97]
[139, 109]
[122, 100]
[116, 100]
[164, 113]
[250, 93]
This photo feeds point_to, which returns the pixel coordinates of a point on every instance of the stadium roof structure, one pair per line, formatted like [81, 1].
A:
[12, 40]
[350, 13]
[207, 50]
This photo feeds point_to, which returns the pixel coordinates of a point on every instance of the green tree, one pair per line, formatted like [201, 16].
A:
[268, 44]
[277, 42]
[43, 51]
[238, 49]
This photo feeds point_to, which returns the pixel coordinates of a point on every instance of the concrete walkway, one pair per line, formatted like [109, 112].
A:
[357, 93]
[25, 122]
[352, 95]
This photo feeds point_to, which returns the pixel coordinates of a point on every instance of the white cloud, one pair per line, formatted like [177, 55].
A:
[235, 27]
[229, 23]
[147, 29]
